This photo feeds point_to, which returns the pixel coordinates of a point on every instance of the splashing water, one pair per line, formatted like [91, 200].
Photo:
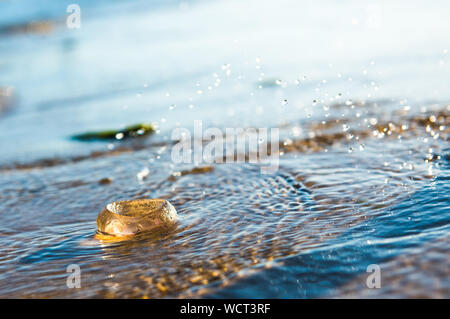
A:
[308, 230]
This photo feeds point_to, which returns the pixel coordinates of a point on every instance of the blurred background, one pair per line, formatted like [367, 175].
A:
[230, 63]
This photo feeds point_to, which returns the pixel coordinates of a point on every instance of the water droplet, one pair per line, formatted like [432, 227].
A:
[143, 174]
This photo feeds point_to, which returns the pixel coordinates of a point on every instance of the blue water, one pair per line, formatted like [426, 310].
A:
[331, 75]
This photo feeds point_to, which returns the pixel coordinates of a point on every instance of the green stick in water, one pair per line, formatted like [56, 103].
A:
[137, 130]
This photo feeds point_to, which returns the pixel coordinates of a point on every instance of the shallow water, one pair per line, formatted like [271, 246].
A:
[364, 167]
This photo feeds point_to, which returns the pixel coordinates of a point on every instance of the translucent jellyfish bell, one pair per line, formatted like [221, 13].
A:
[130, 217]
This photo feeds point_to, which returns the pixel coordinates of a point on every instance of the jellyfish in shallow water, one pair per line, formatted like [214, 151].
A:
[131, 217]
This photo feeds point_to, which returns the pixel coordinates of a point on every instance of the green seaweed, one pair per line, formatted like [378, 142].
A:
[132, 131]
